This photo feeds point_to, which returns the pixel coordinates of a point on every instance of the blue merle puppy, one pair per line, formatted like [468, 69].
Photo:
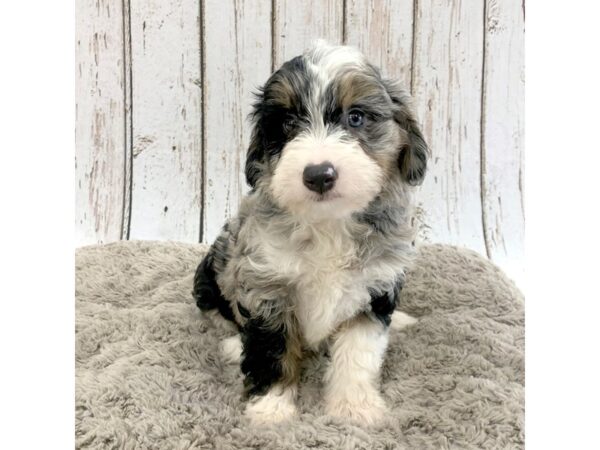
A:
[317, 255]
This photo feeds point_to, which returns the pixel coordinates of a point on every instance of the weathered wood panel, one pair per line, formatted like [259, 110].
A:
[99, 128]
[503, 131]
[143, 101]
[382, 29]
[237, 61]
[167, 137]
[296, 25]
[446, 85]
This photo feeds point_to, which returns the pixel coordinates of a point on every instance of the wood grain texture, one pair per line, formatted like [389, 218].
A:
[167, 138]
[237, 61]
[296, 25]
[382, 30]
[503, 132]
[446, 85]
[99, 130]
[152, 75]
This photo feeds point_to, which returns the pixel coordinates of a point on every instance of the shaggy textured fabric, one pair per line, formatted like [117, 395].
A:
[149, 374]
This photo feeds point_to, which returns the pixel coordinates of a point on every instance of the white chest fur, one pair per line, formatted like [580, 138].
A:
[325, 301]
[328, 284]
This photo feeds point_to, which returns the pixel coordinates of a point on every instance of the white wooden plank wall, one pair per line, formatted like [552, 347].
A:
[164, 89]
[298, 23]
[237, 59]
[100, 121]
[166, 120]
[503, 133]
[446, 83]
[383, 29]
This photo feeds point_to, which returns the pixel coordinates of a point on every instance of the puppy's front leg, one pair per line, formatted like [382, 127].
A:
[352, 378]
[270, 363]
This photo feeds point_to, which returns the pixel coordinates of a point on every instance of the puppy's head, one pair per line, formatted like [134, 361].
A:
[330, 132]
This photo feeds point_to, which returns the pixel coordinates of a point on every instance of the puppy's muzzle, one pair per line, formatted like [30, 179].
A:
[319, 177]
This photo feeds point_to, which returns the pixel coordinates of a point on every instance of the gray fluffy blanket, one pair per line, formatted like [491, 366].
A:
[149, 374]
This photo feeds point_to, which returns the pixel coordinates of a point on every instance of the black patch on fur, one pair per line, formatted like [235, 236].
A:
[264, 348]
[275, 122]
[384, 304]
[206, 290]
[254, 157]
[243, 311]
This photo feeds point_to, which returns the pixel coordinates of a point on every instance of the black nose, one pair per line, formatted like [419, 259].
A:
[319, 177]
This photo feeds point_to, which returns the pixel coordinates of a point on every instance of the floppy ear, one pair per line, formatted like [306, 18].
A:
[412, 160]
[254, 157]
[255, 154]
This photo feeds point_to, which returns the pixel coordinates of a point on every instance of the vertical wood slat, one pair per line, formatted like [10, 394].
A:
[167, 136]
[447, 71]
[502, 133]
[128, 120]
[383, 31]
[298, 24]
[100, 121]
[237, 61]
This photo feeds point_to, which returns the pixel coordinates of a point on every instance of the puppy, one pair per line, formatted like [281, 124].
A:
[318, 252]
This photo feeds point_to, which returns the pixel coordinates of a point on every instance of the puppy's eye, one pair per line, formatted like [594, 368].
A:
[356, 118]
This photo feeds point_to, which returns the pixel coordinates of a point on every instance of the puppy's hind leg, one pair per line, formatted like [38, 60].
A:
[383, 308]
[401, 320]
[206, 291]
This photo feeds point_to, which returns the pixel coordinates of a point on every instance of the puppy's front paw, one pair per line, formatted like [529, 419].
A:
[275, 406]
[367, 411]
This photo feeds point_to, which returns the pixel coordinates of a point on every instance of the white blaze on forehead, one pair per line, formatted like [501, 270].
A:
[325, 62]
[359, 177]
[330, 59]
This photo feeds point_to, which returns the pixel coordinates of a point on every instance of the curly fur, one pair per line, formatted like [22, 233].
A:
[297, 269]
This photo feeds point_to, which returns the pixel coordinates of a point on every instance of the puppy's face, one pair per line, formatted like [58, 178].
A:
[330, 133]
